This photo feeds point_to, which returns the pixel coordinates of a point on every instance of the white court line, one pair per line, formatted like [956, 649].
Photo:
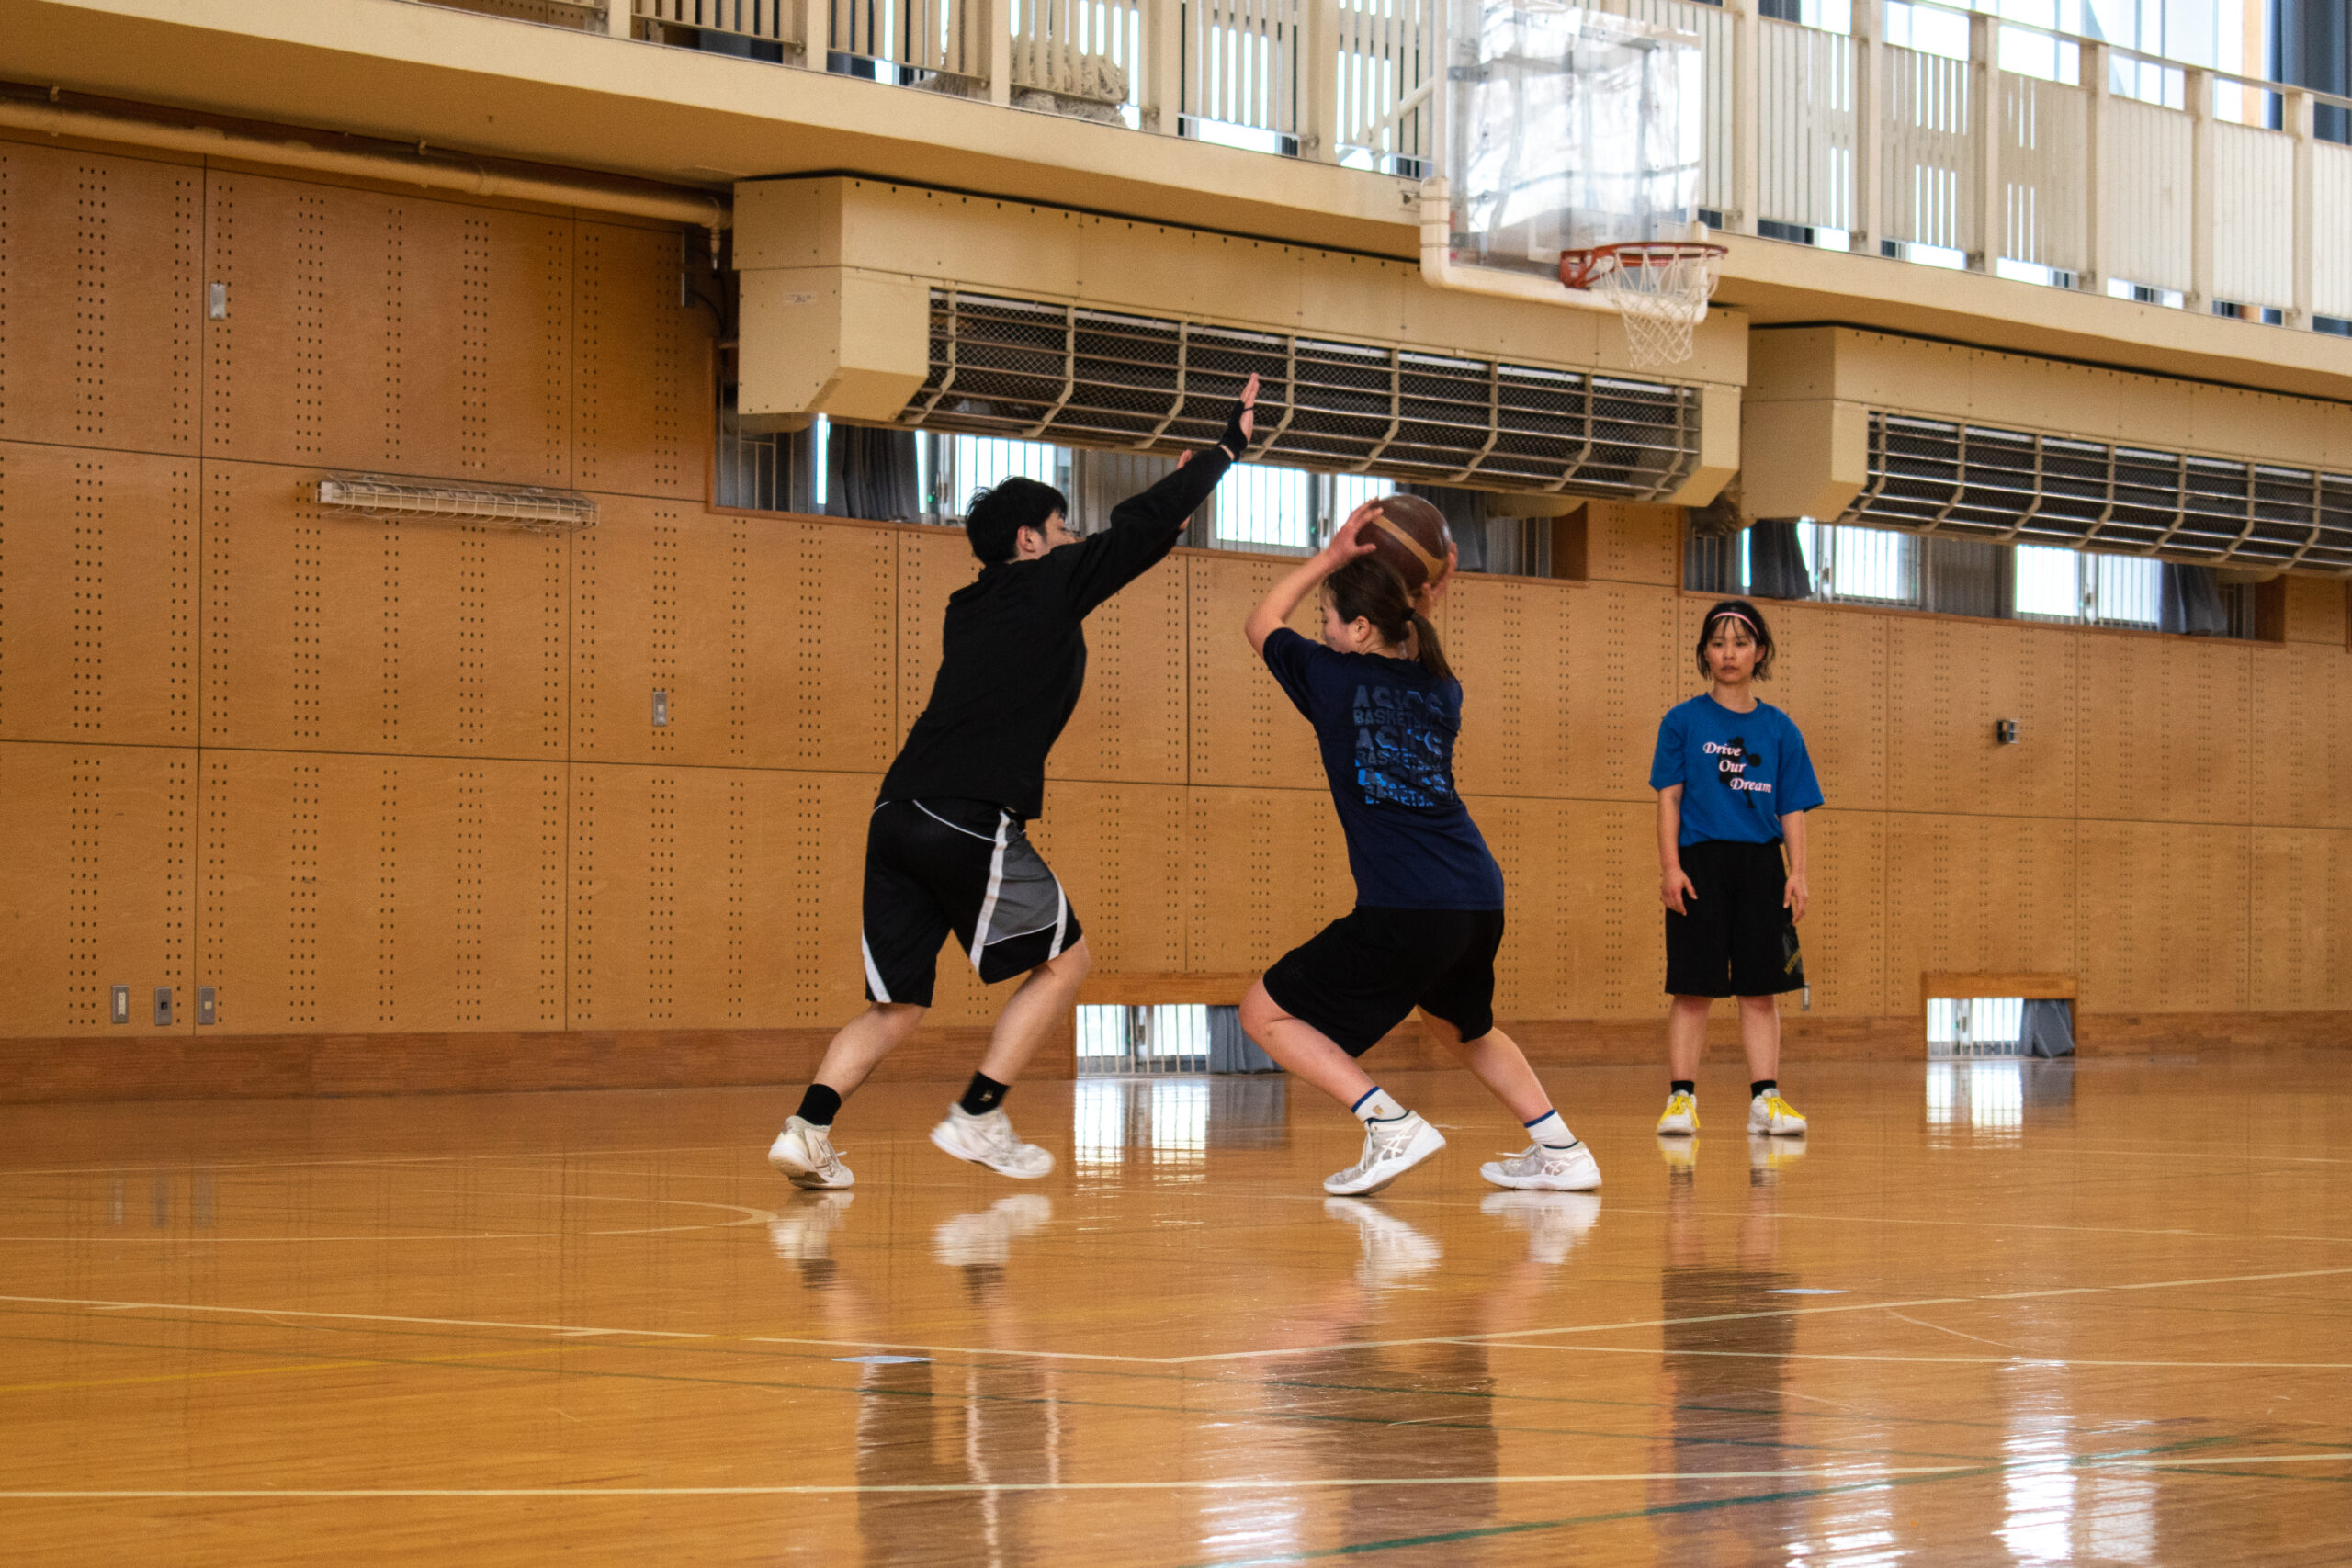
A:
[751, 1216]
[2021, 1360]
[1847, 1475]
[1506, 1338]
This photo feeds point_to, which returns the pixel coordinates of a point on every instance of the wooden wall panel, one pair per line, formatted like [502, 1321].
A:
[388, 331]
[1243, 731]
[1628, 660]
[1947, 682]
[796, 854]
[2300, 736]
[773, 637]
[2162, 733]
[2164, 917]
[98, 595]
[1982, 894]
[1845, 931]
[649, 897]
[1129, 724]
[379, 894]
[1599, 906]
[1268, 868]
[1829, 676]
[99, 307]
[95, 887]
[641, 398]
[1628, 541]
[1118, 850]
[1508, 643]
[2316, 609]
[2302, 903]
[324, 632]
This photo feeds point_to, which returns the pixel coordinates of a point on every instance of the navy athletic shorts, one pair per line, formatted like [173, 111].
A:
[964, 866]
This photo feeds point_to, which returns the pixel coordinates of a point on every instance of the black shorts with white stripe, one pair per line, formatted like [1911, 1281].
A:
[965, 866]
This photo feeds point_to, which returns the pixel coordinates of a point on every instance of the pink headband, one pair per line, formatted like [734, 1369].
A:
[1731, 616]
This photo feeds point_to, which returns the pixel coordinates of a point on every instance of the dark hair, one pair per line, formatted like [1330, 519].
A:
[1368, 588]
[998, 513]
[1725, 610]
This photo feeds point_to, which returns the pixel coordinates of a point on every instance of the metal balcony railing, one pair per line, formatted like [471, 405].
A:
[2003, 146]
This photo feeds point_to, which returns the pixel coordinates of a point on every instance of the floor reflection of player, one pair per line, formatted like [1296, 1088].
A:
[1724, 1369]
[1418, 1410]
[962, 1423]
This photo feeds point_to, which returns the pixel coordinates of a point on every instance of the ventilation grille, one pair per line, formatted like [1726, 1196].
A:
[1931, 476]
[1086, 378]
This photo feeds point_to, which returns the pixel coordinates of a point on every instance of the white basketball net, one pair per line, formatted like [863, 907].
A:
[1661, 290]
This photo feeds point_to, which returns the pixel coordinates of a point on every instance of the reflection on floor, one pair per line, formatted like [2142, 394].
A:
[1989, 1311]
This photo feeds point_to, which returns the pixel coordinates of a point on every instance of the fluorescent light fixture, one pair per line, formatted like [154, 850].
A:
[541, 511]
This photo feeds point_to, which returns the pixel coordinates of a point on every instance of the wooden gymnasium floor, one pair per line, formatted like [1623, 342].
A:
[2012, 1314]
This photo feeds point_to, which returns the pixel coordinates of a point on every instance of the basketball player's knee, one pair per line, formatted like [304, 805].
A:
[1759, 1004]
[1258, 1009]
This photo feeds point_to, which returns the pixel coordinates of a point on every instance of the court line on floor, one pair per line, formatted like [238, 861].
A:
[2021, 1359]
[748, 1216]
[1504, 1338]
[1850, 1474]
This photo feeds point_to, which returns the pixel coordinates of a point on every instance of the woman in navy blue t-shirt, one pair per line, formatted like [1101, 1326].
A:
[1429, 913]
[1734, 784]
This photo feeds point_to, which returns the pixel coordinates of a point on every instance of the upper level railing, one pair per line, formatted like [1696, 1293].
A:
[2001, 147]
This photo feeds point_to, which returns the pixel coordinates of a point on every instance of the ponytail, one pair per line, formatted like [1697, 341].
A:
[1369, 589]
[1432, 655]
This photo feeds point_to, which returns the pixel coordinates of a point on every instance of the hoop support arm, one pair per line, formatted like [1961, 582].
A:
[1438, 272]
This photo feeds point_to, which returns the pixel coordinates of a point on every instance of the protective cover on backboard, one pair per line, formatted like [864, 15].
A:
[1566, 129]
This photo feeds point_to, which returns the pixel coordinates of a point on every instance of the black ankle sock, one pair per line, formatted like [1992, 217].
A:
[1762, 1086]
[985, 1095]
[820, 1105]
[1683, 1086]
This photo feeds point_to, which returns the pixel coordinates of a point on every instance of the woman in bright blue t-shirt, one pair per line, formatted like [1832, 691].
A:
[1734, 784]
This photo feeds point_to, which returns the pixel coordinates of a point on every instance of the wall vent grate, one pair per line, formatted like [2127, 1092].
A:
[1932, 475]
[1081, 377]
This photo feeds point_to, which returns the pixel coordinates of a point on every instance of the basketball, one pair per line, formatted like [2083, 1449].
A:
[1411, 535]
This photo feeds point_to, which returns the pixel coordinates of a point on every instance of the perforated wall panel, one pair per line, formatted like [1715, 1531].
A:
[94, 885]
[100, 270]
[328, 632]
[98, 595]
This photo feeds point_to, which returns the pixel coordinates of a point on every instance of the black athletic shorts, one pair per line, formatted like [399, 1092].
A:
[1359, 976]
[1737, 940]
[965, 866]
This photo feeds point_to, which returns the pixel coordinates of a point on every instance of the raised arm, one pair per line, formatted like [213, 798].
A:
[1145, 526]
[1344, 548]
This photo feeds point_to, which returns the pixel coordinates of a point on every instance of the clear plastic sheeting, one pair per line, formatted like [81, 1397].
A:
[1566, 129]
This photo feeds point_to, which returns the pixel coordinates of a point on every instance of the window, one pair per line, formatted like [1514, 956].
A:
[2056, 584]
[1871, 566]
[962, 465]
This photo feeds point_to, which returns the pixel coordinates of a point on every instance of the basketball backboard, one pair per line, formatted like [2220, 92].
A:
[1566, 128]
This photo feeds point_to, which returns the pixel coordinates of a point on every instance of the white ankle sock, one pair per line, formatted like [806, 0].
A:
[1550, 1131]
[1377, 1106]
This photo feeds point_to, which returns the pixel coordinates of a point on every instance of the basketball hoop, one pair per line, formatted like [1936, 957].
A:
[1661, 287]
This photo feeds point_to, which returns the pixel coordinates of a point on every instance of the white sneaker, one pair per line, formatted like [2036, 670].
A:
[802, 1232]
[804, 1152]
[1682, 1118]
[1768, 1113]
[1541, 1168]
[987, 1236]
[1554, 1222]
[1390, 1149]
[988, 1139]
[1393, 1249]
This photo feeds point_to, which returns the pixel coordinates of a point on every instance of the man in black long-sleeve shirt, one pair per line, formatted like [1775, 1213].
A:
[946, 848]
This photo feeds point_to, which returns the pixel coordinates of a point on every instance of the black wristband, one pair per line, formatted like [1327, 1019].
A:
[1234, 442]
